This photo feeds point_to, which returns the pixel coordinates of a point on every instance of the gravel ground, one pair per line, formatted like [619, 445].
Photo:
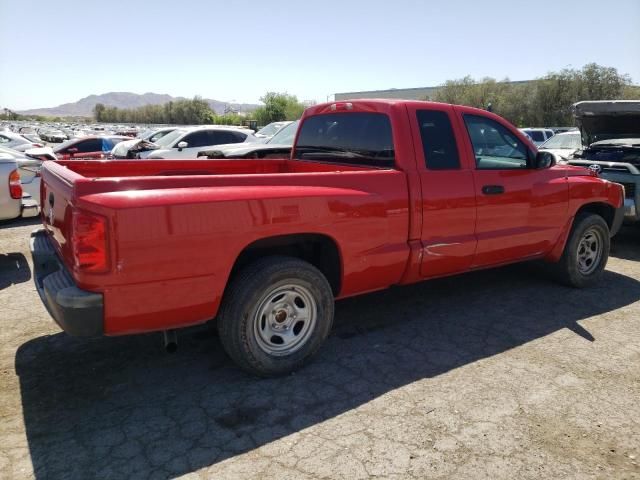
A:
[494, 374]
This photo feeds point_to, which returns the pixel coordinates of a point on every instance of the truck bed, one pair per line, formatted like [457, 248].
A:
[175, 227]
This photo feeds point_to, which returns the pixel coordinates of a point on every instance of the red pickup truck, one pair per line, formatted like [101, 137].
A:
[375, 193]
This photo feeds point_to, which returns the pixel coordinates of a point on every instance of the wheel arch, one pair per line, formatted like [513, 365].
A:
[319, 250]
[605, 210]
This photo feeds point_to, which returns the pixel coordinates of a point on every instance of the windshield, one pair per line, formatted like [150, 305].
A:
[536, 135]
[563, 141]
[168, 139]
[270, 129]
[285, 135]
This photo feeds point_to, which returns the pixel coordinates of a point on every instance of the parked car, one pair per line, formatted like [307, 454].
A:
[187, 142]
[33, 138]
[375, 193]
[278, 146]
[562, 145]
[131, 132]
[538, 135]
[17, 141]
[52, 135]
[145, 143]
[88, 148]
[270, 130]
[14, 202]
[611, 146]
[29, 164]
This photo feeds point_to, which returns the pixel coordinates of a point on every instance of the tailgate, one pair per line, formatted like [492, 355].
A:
[57, 194]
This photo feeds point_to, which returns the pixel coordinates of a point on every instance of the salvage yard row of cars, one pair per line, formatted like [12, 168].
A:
[355, 197]
[22, 151]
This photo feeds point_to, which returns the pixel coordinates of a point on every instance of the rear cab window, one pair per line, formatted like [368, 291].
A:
[348, 137]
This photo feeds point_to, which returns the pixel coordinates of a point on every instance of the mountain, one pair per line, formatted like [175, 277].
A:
[84, 106]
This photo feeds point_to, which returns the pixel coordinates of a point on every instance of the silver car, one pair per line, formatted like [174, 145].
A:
[14, 202]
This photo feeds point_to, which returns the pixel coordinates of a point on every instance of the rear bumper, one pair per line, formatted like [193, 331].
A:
[29, 208]
[78, 312]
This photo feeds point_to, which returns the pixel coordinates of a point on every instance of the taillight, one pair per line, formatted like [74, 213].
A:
[15, 187]
[89, 242]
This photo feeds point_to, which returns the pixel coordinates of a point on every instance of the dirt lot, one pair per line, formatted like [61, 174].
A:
[495, 374]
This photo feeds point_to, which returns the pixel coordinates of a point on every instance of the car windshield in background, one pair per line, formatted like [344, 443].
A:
[168, 139]
[270, 129]
[570, 141]
[536, 135]
[285, 135]
[64, 145]
[353, 137]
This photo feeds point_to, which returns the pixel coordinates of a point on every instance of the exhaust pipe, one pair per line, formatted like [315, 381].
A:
[170, 341]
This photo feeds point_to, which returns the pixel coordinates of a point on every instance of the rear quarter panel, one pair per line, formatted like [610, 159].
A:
[173, 249]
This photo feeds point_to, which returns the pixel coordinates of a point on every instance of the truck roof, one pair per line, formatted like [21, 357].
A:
[361, 102]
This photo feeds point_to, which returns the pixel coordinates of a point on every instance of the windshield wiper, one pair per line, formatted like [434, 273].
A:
[317, 150]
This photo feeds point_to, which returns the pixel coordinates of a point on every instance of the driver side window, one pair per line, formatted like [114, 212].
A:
[494, 146]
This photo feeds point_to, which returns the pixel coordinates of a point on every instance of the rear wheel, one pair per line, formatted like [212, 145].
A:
[586, 252]
[275, 315]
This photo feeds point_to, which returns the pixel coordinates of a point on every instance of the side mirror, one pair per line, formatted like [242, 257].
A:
[72, 150]
[182, 145]
[544, 160]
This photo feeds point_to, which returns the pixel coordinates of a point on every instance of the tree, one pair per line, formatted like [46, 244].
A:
[186, 112]
[543, 102]
[98, 111]
[278, 107]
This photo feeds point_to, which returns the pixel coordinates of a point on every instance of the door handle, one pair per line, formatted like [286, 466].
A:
[493, 189]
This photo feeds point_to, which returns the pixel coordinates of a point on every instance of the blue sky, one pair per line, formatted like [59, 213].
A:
[53, 52]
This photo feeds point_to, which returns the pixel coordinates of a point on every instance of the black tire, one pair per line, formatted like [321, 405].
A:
[568, 270]
[242, 329]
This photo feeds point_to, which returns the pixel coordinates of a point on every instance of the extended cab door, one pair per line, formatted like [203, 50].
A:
[448, 196]
[521, 210]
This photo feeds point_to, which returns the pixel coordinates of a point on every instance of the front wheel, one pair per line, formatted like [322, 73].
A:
[586, 252]
[275, 315]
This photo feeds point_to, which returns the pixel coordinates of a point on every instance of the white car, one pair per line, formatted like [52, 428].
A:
[29, 164]
[143, 143]
[538, 135]
[16, 141]
[14, 202]
[187, 142]
[562, 145]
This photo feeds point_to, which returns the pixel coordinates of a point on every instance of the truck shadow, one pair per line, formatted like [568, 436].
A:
[20, 222]
[626, 244]
[119, 408]
[14, 268]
